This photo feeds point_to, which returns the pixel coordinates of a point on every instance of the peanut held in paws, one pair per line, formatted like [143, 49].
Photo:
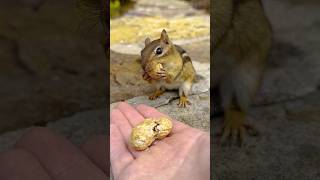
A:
[143, 135]
[153, 69]
[159, 67]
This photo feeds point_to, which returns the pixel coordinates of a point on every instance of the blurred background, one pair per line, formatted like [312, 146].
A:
[286, 110]
[53, 68]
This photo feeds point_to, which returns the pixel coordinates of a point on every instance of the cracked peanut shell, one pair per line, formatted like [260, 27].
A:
[143, 135]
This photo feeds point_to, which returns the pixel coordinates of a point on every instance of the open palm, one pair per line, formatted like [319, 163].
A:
[184, 154]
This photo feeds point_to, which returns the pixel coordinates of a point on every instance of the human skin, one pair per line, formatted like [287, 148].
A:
[184, 154]
[41, 154]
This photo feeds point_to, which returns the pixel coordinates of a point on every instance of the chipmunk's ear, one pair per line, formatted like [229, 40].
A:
[164, 37]
[147, 41]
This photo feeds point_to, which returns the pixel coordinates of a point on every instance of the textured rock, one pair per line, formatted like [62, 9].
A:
[45, 61]
[287, 142]
[76, 128]
[196, 115]
[79, 127]
[126, 79]
[293, 70]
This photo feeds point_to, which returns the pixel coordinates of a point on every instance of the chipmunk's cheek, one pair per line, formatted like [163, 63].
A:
[145, 133]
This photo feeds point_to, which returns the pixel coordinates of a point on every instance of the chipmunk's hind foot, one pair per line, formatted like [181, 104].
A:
[183, 102]
[235, 128]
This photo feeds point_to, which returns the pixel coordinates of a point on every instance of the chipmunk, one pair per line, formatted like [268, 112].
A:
[241, 39]
[167, 66]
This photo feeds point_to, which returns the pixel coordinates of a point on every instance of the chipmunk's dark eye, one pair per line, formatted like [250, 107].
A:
[159, 50]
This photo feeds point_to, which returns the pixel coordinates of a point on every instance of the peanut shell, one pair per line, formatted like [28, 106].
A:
[154, 67]
[145, 133]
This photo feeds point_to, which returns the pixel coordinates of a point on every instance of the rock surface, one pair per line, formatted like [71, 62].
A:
[195, 115]
[76, 128]
[45, 59]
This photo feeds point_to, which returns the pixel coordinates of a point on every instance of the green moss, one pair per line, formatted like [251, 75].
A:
[115, 8]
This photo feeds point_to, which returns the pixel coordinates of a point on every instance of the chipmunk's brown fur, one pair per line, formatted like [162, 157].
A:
[241, 39]
[177, 71]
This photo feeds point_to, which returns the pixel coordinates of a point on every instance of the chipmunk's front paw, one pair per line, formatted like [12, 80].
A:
[162, 73]
[183, 101]
[146, 77]
[156, 94]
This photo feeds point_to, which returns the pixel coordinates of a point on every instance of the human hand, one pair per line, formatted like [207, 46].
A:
[44, 155]
[184, 154]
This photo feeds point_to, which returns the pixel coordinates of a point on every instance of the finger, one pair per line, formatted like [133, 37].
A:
[118, 118]
[120, 156]
[130, 113]
[122, 123]
[150, 112]
[61, 159]
[19, 164]
[96, 148]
